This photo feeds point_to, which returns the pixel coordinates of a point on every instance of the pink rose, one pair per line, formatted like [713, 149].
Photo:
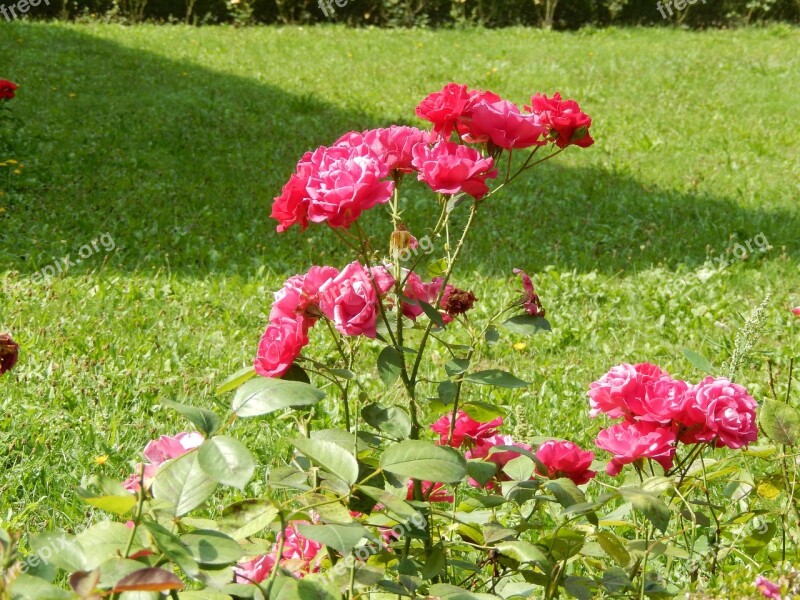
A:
[768, 589]
[564, 120]
[530, 301]
[298, 556]
[565, 459]
[624, 385]
[417, 291]
[9, 353]
[450, 168]
[393, 145]
[718, 409]
[444, 109]
[159, 451]
[291, 207]
[344, 182]
[351, 300]
[796, 311]
[484, 446]
[662, 401]
[299, 296]
[280, 345]
[490, 118]
[466, 430]
[431, 492]
[632, 441]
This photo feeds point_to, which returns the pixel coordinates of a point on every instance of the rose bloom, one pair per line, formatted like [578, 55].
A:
[291, 207]
[299, 296]
[564, 120]
[484, 446]
[431, 492]
[298, 556]
[450, 168]
[393, 145]
[489, 118]
[280, 345]
[718, 409]
[662, 401]
[530, 301]
[159, 451]
[467, 430]
[796, 311]
[768, 589]
[565, 459]
[344, 182]
[7, 89]
[624, 385]
[632, 441]
[351, 300]
[444, 109]
[9, 353]
[417, 291]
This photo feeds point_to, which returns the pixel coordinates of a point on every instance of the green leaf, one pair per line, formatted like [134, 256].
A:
[613, 547]
[434, 315]
[699, 361]
[212, 549]
[390, 365]
[424, 461]
[398, 506]
[481, 471]
[447, 391]
[119, 505]
[172, 547]
[780, 422]
[28, 587]
[247, 517]
[456, 366]
[527, 324]
[654, 509]
[435, 562]
[393, 421]
[482, 411]
[296, 373]
[227, 461]
[102, 541]
[519, 468]
[149, 579]
[445, 591]
[497, 378]
[263, 395]
[206, 421]
[492, 335]
[523, 552]
[183, 483]
[331, 457]
[437, 268]
[61, 550]
[235, 380]
[342, 538]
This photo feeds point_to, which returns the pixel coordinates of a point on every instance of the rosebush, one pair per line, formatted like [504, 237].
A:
[403, 480]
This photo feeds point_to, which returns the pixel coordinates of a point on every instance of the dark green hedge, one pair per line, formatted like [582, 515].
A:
[569, 14]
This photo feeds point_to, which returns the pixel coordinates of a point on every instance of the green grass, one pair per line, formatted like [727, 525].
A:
[174, 140]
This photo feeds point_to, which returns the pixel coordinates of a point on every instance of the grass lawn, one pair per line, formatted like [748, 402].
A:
[173, 141]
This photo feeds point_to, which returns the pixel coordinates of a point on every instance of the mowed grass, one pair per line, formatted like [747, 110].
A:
[173, 141]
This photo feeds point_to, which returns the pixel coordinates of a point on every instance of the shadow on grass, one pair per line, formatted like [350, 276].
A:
[179, 163]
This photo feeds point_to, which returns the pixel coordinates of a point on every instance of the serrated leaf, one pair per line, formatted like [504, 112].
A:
[390, 365]
[183, 483]
[263, 395]
[496, 377]
[119, 505]
[393, 421]
[527, 325]
[212, 549]
[247, 517]
[342, 538]
[172, 547]
[331, 457]
[524, 552]
[781, 422]
[226, 460]
[434, 315]
[206, 421]
[424, 461]
[654, 509]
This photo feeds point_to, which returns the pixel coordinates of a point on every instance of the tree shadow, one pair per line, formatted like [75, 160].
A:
[179, 163]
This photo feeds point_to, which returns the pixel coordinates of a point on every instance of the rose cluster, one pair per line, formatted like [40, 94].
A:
[558, 458]
[299, 556]
[7, 89]
[659, 411]
[350, 299]
[335, 184]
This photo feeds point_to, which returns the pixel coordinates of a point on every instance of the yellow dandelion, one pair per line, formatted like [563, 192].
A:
[2, 210]
[17, 172]
[101, 460]
[11, 161]
[72, 95]
[520, 346]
